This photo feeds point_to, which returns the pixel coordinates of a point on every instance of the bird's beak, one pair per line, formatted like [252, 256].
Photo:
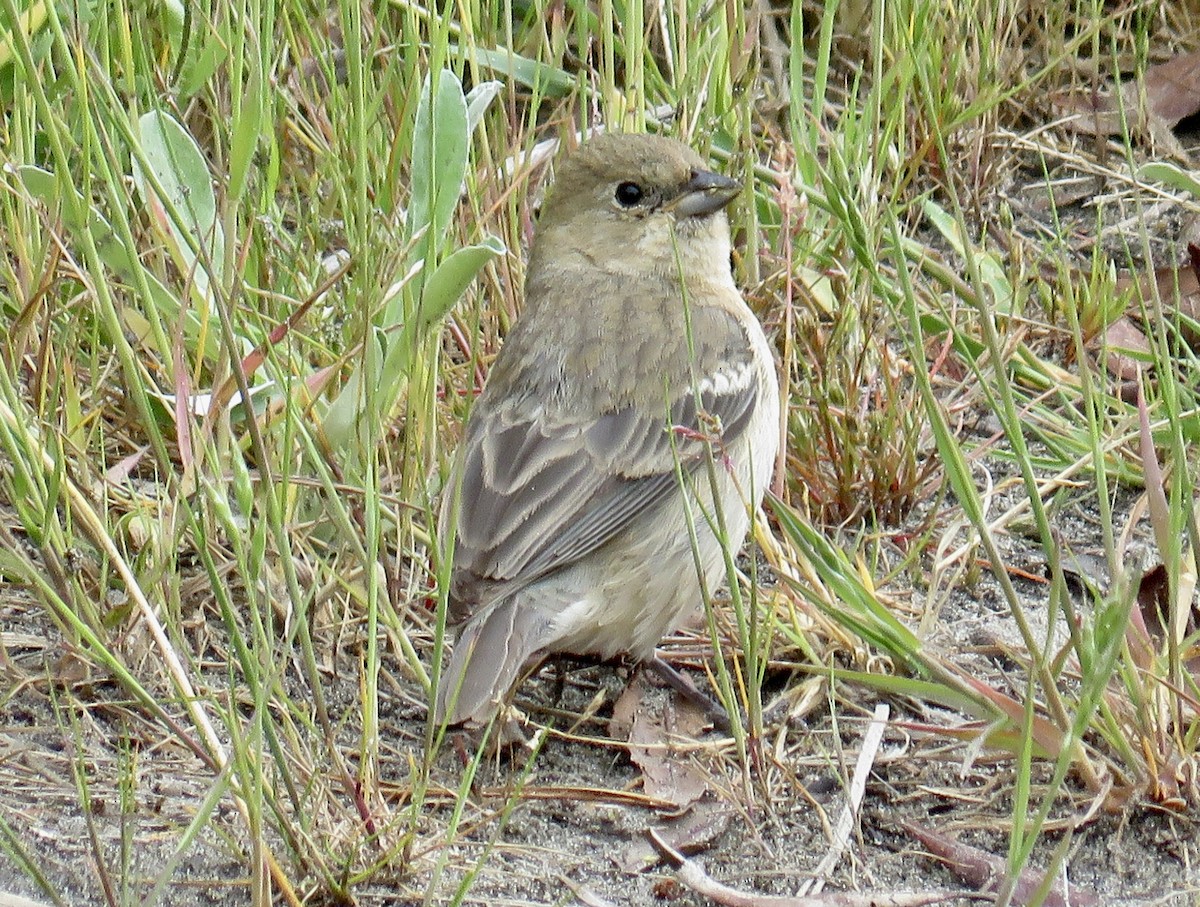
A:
[703, 194]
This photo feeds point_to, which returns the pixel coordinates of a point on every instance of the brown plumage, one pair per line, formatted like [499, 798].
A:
[565, 500]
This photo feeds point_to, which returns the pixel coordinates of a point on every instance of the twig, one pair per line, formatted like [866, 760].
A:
[692, 874]
[858, 785]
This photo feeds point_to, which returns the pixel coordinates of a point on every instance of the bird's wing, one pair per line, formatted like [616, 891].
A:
[540, 490]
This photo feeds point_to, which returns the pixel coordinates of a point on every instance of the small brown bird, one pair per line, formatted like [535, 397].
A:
[590, 443]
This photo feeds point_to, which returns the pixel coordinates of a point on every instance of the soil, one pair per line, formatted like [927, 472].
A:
[569, 825]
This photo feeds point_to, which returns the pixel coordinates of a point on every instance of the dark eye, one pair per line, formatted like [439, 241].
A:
[628, 194]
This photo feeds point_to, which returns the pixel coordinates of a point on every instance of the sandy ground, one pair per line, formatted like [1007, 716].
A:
[570, 826]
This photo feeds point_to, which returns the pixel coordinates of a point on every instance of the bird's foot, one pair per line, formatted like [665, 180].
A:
[684, 687]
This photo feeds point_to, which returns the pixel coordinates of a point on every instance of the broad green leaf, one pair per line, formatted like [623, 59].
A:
[206, 48]
[44, 186]
[820, 288]
[990, 267]
[417, 304]
[442, 290]
[1173, 176]
[439, 156]
[345, 411]
[200, 65]
[479, 99]
[541, 77]
[177, 164]
[31, 23]
[451, 279]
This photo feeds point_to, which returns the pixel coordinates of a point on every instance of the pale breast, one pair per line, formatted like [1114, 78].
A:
[644, 583]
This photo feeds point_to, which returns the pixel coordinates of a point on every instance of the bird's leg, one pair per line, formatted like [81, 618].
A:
[685, 688]
[561, 666]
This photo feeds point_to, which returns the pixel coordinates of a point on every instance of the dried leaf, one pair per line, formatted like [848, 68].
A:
[654, 733]
[693, 832]
[984, 871]
[1152, 602]
[1173, 88]
[1171, 91]
[1121, 339]
[1176, 288]
[1048, 738]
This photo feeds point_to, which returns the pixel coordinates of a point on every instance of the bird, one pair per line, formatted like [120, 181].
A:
[635, 387]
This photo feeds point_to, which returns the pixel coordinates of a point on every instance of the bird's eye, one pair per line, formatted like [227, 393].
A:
[628, 194]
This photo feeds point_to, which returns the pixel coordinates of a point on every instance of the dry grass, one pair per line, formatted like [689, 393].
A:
[255, 605]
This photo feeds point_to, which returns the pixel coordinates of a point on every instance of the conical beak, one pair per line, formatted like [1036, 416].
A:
[704, 193]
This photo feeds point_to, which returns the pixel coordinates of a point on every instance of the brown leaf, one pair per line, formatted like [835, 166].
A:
[1173, 88]
[1177, 288]
[1162, 285]
[1152, 603]
[984, 871]
[1189, 299]
[694, 831]
[1138, 636]
[1121, 338]
[1171, 91]
[1047, 737]
[654, 732]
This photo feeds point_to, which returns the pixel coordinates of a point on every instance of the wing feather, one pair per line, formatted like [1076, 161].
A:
[541, 489]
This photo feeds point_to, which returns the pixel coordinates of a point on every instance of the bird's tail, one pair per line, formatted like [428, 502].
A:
[488, 656]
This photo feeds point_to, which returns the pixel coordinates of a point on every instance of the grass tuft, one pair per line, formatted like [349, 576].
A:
[259, 258]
